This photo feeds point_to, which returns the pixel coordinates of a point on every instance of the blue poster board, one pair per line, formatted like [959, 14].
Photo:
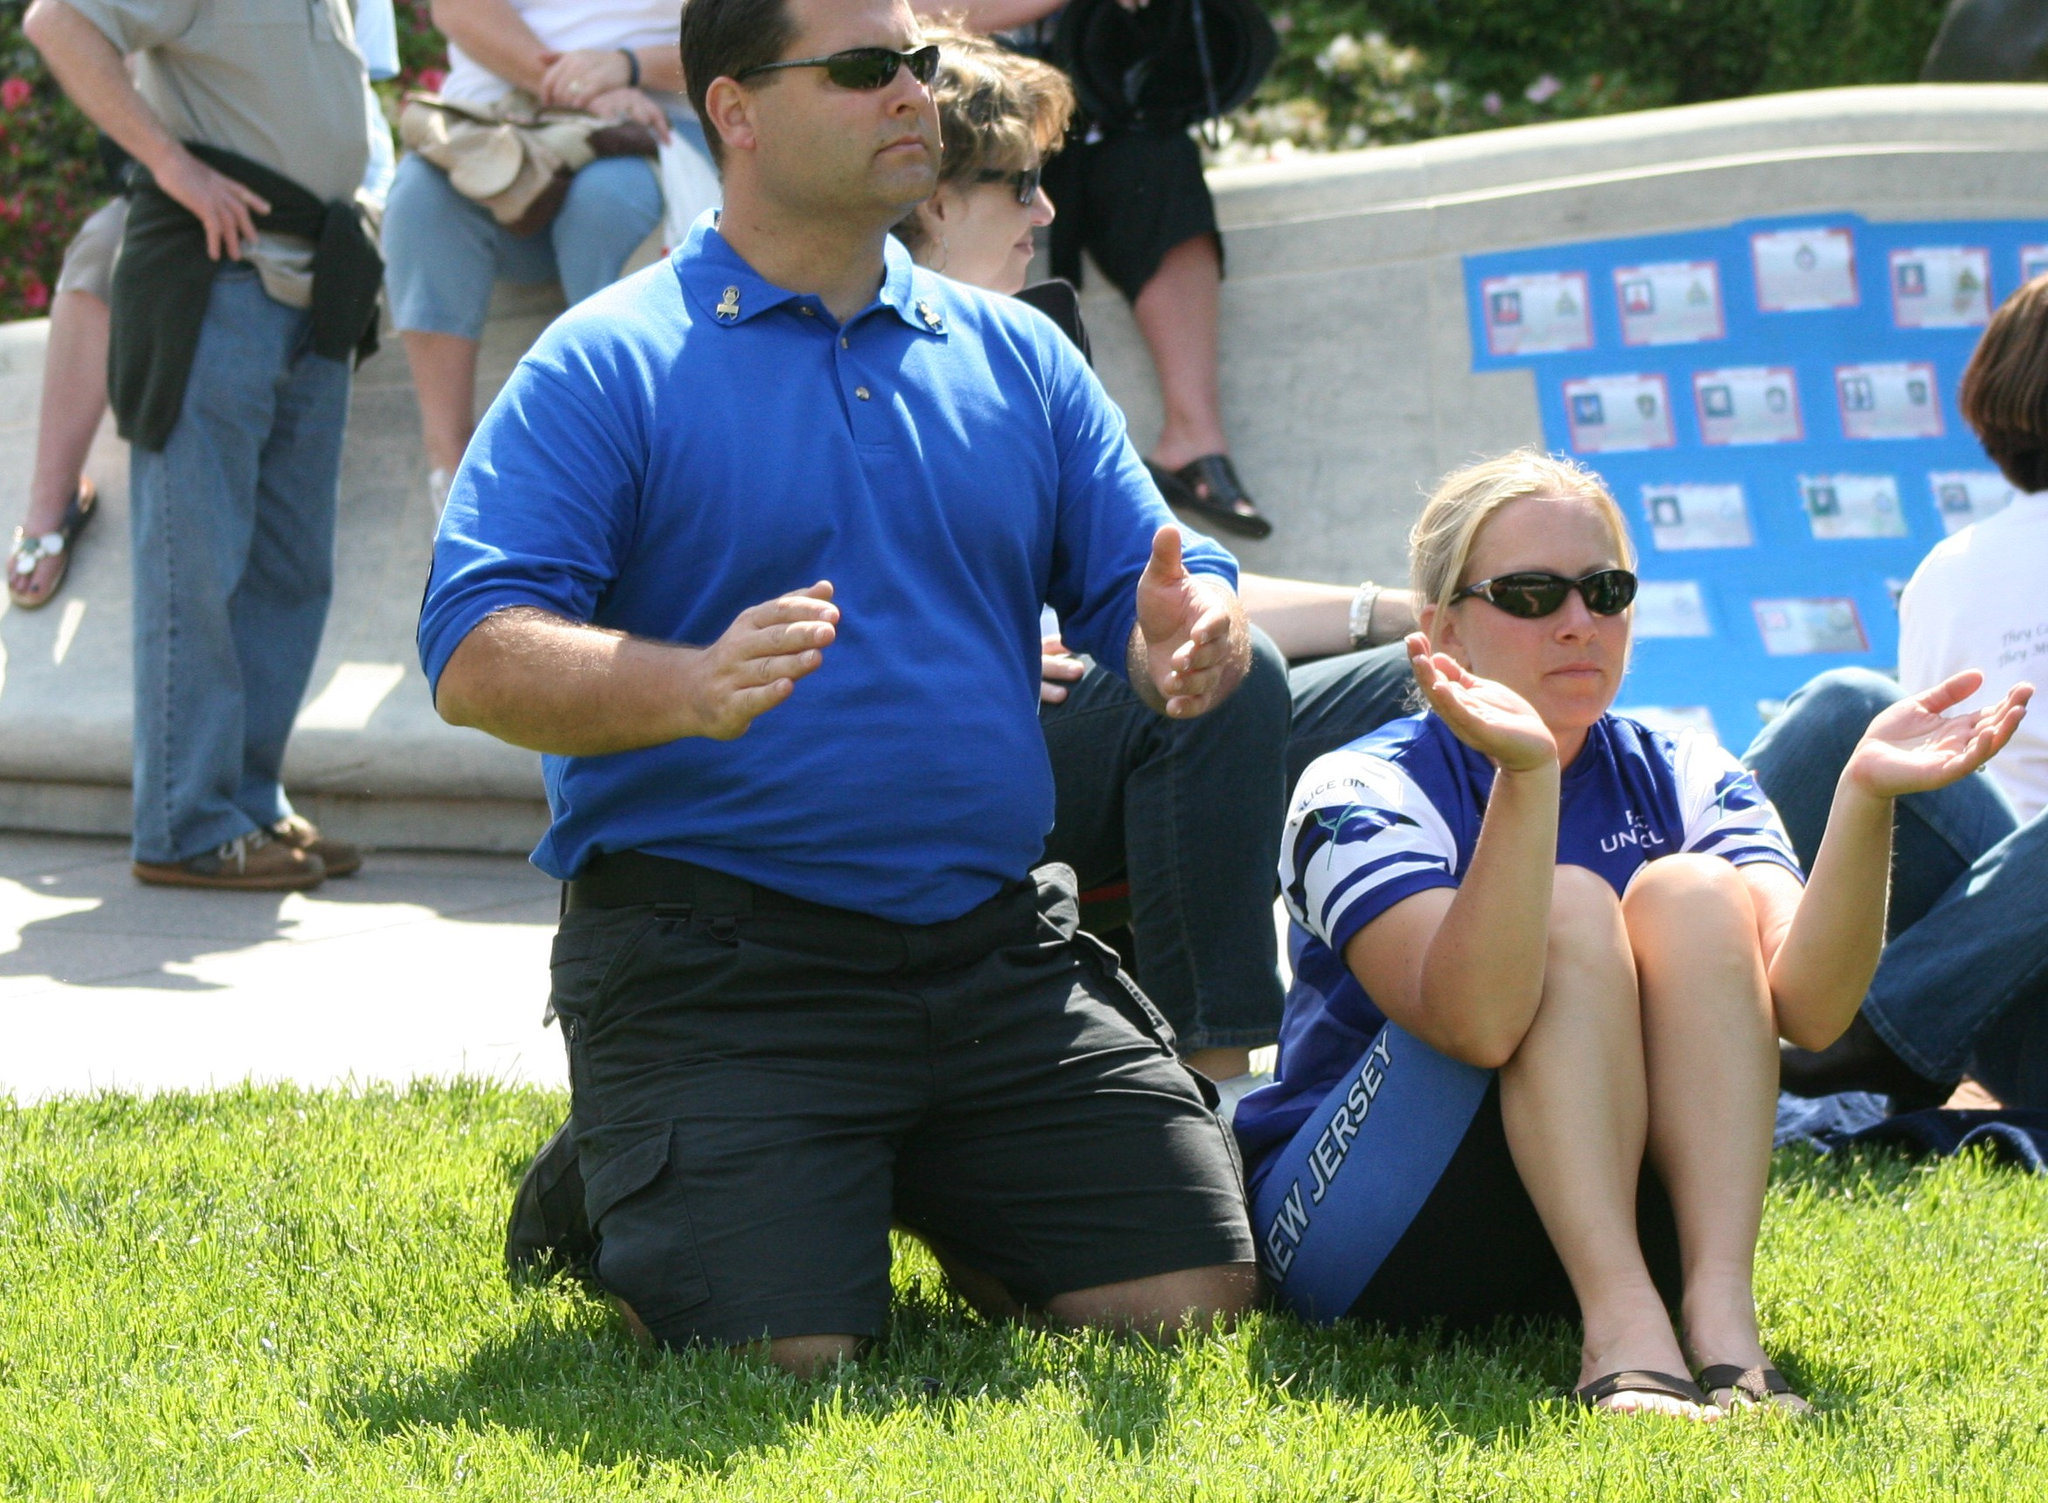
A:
[1774, 406]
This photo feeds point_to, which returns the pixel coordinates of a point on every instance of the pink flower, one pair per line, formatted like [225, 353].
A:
[431, 79]
[35, 294]
[15, 93]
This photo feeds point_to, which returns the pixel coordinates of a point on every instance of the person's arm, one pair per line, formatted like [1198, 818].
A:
[1191, 646]
[576, 78]
[498, 38]
[88, 65]
[552, 685]
[1310, 620]
[1462, 969]
[1821, 946]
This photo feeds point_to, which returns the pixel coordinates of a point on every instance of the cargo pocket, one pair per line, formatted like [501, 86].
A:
[646, 1245]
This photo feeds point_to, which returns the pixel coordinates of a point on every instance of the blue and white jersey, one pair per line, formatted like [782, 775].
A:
[1398, 811]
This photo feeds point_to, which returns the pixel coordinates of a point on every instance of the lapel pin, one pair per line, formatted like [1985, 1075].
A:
[931, 319]
[730, 308]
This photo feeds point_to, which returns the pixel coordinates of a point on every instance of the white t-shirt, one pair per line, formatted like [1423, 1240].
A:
[564, 26]
[1980, 600]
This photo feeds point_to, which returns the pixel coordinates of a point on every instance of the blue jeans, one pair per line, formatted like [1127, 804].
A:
[1963, 983]
[443, 251]
[1190, 811]
[1339, 699]
[233, 526]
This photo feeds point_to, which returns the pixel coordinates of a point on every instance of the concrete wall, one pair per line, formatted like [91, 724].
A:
[1346, 375]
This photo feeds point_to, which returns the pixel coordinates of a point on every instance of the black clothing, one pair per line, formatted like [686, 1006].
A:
[162, 280]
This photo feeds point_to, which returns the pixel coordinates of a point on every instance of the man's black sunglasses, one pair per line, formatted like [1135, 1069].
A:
[1024, 182]
[861, 67]
[1607, 592]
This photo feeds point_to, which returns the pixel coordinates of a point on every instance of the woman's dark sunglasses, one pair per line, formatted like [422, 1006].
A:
[1024, 183]
[861, 67]
[1607, 592]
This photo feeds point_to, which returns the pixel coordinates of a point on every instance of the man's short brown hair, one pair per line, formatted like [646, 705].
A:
[2005, 387]
[724, 38]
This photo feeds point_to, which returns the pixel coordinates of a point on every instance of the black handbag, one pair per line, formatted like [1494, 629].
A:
[1172, 64]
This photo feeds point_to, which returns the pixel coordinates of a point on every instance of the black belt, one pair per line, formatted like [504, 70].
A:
[635, 879]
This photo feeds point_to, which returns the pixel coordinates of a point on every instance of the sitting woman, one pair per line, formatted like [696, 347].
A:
[444, 251]
[1537, 948]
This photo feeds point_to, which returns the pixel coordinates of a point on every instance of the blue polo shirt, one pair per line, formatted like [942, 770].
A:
[695, 440]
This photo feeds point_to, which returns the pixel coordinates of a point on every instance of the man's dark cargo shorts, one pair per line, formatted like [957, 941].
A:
[760, 1086]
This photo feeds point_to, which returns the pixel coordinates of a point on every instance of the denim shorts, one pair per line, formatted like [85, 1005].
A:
[761, 1086]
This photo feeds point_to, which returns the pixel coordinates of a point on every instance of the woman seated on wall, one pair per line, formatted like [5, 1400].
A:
[443, 251]
[1542, 959]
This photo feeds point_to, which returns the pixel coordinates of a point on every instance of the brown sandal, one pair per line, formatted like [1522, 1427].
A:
[1729, 1387]
[1640, 1380]
[27, 553]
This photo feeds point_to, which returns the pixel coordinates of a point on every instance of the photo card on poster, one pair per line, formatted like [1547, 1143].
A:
[1670, 302]
[1753, 404]
[1839, 507]
[1687, 517]
[1671, 608]
[1804, 270]
[1615, 414]
[1799, 627]
[1540, 313]
[1965, 496]
[1941, 287]
[1889, 399]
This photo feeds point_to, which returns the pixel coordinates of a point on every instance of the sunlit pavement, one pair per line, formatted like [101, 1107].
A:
[418, 966]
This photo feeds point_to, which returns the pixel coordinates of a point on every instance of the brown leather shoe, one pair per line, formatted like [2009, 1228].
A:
[301, 834]
[249, 863]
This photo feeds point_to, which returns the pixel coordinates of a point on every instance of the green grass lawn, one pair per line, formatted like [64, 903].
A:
[283, 1294]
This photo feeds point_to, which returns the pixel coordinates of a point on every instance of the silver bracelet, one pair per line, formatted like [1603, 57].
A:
[1362, 603]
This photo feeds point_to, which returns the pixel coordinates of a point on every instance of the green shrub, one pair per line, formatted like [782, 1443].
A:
[50, 174]
[1357, 72]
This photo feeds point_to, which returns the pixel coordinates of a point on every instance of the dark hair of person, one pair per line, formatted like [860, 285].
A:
[999, 111]
[2005, 387]
[724, 38]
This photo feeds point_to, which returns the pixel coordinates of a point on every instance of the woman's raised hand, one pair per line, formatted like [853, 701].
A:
[1912, 747]
[1490, 718]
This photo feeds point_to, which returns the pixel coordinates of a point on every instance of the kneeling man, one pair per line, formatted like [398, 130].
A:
[753, 545]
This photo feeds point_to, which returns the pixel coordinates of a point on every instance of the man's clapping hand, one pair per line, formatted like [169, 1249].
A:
[755, 665]
[1192, 642]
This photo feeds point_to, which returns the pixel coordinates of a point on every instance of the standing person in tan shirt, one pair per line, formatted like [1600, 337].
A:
[245, 281]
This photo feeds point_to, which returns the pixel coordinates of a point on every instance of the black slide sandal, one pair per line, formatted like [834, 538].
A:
[1209, 488]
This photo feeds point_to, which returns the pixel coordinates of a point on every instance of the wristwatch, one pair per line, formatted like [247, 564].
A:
[1362, 602]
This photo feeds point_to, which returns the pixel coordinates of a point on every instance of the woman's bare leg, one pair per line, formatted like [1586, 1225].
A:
[74, 401]
[444, 376]
[1178, 312]
[1575, 1104]
[1711, 1051]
